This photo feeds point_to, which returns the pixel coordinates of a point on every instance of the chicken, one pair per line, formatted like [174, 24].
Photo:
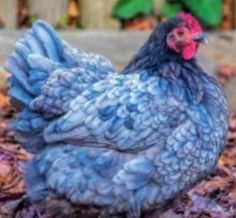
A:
[116, 143]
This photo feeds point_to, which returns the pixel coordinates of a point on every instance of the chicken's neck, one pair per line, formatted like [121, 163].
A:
[151, 56]
[156, 58]
[154, 53]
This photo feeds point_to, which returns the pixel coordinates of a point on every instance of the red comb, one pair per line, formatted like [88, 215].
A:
[191, 21]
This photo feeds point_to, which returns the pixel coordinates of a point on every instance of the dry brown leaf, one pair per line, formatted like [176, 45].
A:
[225, 71]
[232, 195]
[216, 183]
[4, 101]
[17, 150]
[11, 182]
[10, 179]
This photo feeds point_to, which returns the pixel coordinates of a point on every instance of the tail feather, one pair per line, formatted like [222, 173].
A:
[32, 41]
[19, 98]
[39, 95]
[42, 63]
[18, 74]
[41, 69]
[36, 55]
[40, 49]
[49, 39]
[22, 49]
[29, 127]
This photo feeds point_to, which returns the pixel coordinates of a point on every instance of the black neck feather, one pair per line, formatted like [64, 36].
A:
[155, 53]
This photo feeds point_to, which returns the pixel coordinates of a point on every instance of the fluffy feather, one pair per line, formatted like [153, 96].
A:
[116, 143]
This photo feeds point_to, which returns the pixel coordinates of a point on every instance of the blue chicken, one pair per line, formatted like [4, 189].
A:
[116, 143]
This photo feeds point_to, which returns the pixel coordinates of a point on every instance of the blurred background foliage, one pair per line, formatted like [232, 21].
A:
[208, 11]
[114, 14]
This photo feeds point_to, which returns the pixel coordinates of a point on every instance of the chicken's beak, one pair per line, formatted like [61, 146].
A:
[202, 38]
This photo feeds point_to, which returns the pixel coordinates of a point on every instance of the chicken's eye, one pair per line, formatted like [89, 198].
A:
[180, 33]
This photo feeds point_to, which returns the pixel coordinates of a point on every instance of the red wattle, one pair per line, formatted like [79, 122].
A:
[189, 52]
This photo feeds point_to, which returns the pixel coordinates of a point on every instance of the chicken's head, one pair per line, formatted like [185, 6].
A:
[186, 36]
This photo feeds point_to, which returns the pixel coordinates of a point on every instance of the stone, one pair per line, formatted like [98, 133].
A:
[230, 90]
[97, 14]
[8, 12]
[48, 10]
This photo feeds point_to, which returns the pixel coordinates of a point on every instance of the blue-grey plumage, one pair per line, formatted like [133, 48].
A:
[117, 143]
